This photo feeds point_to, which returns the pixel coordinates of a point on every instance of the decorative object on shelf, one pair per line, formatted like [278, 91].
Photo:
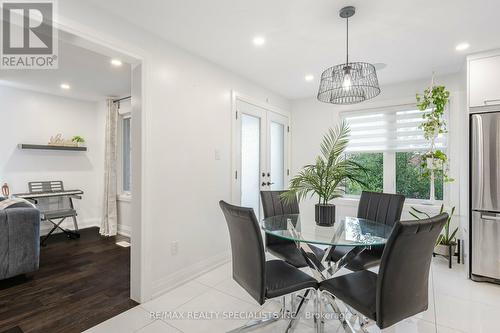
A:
[5, 190]
[58, 140]
[327, 176]
[80, 141]
[446, 243]
[433, 104]
[351, 82]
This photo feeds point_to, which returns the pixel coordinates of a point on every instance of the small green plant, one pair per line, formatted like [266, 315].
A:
[78, 139]
[327, 176]
[445, 238]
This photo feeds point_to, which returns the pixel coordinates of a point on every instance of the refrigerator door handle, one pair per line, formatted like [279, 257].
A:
[491, 217]
[477, 150]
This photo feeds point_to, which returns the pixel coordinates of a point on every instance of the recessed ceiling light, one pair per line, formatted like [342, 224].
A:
[116, 62]
[309, 77]
[259, 40]
[65, 86]
[379, 66]
[462, 46]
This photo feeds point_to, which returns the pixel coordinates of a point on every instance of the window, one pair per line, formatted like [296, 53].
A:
[374, 178]
[386, 141]
[126, 155]
[409, 180]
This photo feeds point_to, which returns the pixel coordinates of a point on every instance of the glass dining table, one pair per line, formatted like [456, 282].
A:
[356, 234]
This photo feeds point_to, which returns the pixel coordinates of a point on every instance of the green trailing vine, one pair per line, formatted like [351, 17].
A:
[435, 98]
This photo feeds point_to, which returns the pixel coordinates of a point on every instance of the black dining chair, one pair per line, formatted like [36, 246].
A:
[260, 278]
[400, 290]
[285, 249]
[382, 208]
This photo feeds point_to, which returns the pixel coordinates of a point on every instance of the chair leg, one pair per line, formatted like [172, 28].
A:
[319, 322]
[296, 314]
[254, 323]
[75, 223]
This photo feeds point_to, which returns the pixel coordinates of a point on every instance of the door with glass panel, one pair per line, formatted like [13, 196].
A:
[260, 154]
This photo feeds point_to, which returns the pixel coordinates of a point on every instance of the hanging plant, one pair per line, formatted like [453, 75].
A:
[435, 99]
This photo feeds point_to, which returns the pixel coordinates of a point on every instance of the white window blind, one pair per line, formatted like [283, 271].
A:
[388, 129]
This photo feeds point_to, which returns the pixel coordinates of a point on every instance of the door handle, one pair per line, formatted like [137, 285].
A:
[490, 217]
[269, 183]
[263, 184]
[486, 101]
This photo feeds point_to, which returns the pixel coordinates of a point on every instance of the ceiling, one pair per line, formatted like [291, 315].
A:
[88, 72]
[414, 38]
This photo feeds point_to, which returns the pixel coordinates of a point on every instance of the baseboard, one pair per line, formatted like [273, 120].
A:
[184, 275]
[124, 230]
[68, 224]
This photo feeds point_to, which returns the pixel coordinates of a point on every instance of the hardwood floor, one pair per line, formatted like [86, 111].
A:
[80, 284]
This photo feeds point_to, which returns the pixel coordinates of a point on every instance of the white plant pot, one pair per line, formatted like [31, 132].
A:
[433, 164]
[444, 250]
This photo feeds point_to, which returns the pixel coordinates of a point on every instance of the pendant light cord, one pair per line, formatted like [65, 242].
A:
[347, 41]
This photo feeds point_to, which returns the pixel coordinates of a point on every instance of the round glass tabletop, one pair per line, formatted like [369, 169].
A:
[351, 231]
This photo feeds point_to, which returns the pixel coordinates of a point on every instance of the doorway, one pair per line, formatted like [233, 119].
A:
[260, 152]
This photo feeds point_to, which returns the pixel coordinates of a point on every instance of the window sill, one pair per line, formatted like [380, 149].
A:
[125, 197]
[417, 203]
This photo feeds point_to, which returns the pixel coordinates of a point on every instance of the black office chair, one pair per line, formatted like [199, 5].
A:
[400, 290]
[287, 250]
[262, 280]
[379, 207]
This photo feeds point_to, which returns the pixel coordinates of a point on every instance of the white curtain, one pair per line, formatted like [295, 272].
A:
[110, 220]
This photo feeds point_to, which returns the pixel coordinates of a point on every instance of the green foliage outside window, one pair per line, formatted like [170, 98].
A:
[374, 177]
[411, 180]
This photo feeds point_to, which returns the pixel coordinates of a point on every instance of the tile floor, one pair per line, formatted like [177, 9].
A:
[456, 304]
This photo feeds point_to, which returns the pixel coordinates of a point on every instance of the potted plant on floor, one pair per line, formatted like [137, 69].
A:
[446, 243]
[326, 178]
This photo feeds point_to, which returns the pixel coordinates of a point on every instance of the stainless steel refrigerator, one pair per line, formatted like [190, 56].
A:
[485, 197]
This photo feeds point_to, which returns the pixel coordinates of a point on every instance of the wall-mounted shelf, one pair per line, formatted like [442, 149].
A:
[25, 146]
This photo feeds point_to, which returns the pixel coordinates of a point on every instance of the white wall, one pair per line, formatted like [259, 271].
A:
[31, 117]
[185, 118]
[311, 119]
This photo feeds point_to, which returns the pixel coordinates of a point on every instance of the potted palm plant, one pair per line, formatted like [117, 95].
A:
[446, 242]
[326, 178]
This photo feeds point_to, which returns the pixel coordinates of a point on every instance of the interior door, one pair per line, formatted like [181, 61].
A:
[260, 154]
[277, 151]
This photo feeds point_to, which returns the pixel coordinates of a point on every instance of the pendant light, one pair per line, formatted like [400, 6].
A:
[351, 82]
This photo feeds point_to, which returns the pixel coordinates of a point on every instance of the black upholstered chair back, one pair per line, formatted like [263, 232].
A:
[402, 283]
[381, 207]
[247, 249]
[273, 205]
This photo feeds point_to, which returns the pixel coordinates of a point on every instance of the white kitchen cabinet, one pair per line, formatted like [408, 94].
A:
[484, 81]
